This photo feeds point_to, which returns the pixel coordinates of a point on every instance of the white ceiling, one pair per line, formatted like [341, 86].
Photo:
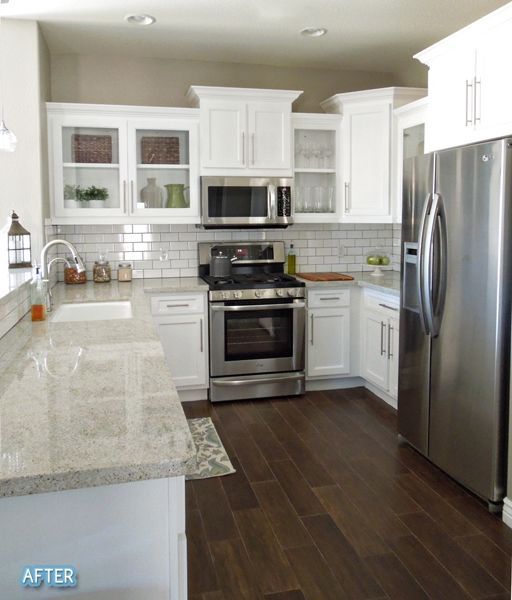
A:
[376, 35]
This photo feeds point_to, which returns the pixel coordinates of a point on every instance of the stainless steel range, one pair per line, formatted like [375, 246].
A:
[257, 323]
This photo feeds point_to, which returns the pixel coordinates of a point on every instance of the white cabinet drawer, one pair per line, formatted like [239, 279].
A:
[178, 304]
[328, 298]
[381, 302]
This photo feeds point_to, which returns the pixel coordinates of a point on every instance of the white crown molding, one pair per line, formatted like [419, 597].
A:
[196, 93]
[114, 110]
[398, 96]
[411, 107]
[467, 36]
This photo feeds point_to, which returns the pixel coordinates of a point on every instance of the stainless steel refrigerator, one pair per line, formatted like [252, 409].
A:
[455, 317]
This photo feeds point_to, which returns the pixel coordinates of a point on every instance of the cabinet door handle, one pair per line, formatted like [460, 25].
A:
[347, 186]
[476, 82]
[201, 333]
[243, 147]
[390, 331]
[253, 148]
[312, 326]
[382, 328]
[124, 195]
[131, 196]
[388, 307]
[469, 121]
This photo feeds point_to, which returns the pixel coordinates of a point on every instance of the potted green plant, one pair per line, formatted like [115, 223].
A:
[92, 197]
[70, 196]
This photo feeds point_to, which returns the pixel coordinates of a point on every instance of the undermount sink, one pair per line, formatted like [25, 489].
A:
[93, 311]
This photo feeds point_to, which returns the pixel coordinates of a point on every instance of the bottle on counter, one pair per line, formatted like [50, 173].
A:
[291, 261]
[124, 272]
[101, 272]
[38, 297]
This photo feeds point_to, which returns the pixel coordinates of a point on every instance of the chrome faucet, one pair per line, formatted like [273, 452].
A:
[45, 266]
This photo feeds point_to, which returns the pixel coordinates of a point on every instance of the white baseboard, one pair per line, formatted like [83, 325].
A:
[193, 395]
[341, 383]
[507, 512]
[381, 394]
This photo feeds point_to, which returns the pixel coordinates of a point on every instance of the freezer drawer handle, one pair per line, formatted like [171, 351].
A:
[382, 327]
[388, 307]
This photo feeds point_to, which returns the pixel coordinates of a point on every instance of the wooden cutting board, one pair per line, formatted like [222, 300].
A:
[325, 276]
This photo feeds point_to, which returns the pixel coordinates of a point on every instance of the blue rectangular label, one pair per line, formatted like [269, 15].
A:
[50, 575]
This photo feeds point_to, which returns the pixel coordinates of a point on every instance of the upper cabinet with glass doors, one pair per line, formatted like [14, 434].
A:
[316, 167]
[119, 164]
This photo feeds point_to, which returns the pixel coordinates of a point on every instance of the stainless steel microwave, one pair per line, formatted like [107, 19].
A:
[246, 202]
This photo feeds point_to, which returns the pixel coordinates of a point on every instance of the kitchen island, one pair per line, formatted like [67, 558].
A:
[94, 449]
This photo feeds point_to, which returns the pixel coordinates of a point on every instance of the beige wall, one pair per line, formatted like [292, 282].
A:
[23, 173]
[157, 82]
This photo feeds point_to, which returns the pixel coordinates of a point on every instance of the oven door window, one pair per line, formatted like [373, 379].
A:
[237, 201]
[258, 334]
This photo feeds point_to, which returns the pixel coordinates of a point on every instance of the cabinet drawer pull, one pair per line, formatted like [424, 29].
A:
[331, 298]
[177, 305]
[388, 307]
[201, 333]
[382, 327]
[312, 325]
[390, 331]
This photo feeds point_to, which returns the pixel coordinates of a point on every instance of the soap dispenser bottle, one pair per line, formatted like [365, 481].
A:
[38, 297]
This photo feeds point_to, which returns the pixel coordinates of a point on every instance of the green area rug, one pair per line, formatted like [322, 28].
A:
[212, 458]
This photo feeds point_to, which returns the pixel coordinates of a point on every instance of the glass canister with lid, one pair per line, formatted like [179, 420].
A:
[101, 271]
[124, 272]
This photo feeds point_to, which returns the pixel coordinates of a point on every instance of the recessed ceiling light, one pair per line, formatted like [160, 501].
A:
[140, 19]
[314, 31]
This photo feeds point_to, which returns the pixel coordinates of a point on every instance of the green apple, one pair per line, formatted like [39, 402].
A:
[384, 260]
[373, 260]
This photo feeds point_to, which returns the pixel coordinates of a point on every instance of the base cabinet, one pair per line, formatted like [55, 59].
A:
[183, 330]
[328, 333]
[379, 341]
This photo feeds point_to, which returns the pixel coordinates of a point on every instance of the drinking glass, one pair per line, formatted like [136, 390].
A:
[318, 199]
[299, 199]
[330, 199]
[308, 203]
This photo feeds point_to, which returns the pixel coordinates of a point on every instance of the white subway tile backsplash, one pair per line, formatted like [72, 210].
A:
[171, 250]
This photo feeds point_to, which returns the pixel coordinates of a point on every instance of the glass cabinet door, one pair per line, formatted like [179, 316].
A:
[89, 168]
[316, 171]
[162, 180]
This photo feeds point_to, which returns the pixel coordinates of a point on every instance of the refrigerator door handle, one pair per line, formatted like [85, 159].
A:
[420, 265]
[436, 220]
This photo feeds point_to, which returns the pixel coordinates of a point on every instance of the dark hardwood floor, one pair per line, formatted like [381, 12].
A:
[326, 505]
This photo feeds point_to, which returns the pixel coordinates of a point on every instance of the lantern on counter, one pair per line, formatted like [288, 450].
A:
[18, 245]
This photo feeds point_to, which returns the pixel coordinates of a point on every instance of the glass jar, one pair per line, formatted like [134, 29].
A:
[124, 272]
[71, 276]
[101, 271]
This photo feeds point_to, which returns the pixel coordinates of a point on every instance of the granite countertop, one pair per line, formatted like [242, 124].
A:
[90, 403]
[388, 283]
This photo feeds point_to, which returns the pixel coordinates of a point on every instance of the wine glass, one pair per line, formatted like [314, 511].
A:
[327, 153]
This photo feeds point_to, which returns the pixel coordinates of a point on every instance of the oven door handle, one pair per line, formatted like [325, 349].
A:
[236, 382]
[249, 307]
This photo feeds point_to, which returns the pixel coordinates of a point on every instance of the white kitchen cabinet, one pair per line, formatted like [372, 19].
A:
[379, 341]
[244, 131]
[119, 153]
[469, 91]
[317, 167]
[328, 333]
[183, 330]
[367, 137]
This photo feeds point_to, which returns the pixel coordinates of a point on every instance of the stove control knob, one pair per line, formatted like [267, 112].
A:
[226, 295]
[237, 294]
[292, 292]
[259, 293]
[280, 293]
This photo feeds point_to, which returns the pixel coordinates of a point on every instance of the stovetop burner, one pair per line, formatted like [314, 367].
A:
[253, 280]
